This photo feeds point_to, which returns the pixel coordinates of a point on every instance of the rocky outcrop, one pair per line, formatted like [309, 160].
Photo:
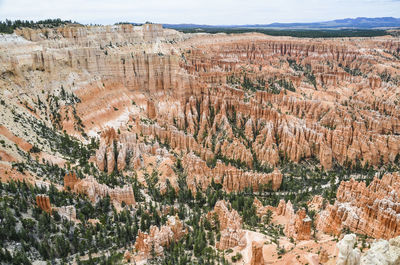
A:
[323, 256]
[95, 190]
[262, 210]
[43, 202]
[299, 225]
[383, 252]
[122, 151]
[230, 225]
[347, 254]
[316, 204]
[372, 210]
[257, 257]
[285, 209]
[226, 218]
[237, 180]
[99, 35]
[232, 107]
[231, 178]
[68, 212]
[158, 238]
[127, 256]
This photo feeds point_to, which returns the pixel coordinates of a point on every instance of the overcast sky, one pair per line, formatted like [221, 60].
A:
[199, 11]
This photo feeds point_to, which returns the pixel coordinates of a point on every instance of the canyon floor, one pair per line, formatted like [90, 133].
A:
[143, 145]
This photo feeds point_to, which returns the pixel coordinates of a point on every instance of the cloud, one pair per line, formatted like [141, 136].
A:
[190, 11]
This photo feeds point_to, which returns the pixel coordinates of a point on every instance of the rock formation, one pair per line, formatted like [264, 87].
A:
[262, 210]
[299, 225]
[323, 257]
[158, 238]
[127, 256]
[257, 257]
[231, 178]
[372, 210]
[68, 212]
[240, 103]
[43, 202]
[347, 254]
[95, 190]
[285, 209]
[230, 225]
[316, 204]
[383, 252]
[122, 151]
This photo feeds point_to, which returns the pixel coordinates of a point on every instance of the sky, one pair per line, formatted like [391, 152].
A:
[211, 12]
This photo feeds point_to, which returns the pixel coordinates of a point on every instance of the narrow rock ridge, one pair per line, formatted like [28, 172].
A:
[95, 190]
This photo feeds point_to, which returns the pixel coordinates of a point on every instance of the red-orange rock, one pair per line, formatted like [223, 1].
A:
[94, 190]
[257, 257]
[231, 178]
[262, 210]
[151, 109]
[43, 202]
[299, 226]
[230, 224]
[316, 204]
[323, 256]
[122, 73]
[158, 238]
[371, 210]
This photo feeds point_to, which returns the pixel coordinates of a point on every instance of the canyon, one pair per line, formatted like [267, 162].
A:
[209, 130]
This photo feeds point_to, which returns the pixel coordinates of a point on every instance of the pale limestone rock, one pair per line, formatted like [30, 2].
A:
[347, 254]
[383, 252]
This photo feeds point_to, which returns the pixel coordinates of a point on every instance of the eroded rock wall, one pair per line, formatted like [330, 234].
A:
[95, 190]
[372, 210]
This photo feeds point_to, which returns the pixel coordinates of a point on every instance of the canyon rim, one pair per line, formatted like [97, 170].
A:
[142, 144]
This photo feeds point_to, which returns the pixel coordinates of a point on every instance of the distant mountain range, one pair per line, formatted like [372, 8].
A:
[347, 23]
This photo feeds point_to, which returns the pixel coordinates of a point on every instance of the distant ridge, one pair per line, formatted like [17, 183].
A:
[347, 23]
